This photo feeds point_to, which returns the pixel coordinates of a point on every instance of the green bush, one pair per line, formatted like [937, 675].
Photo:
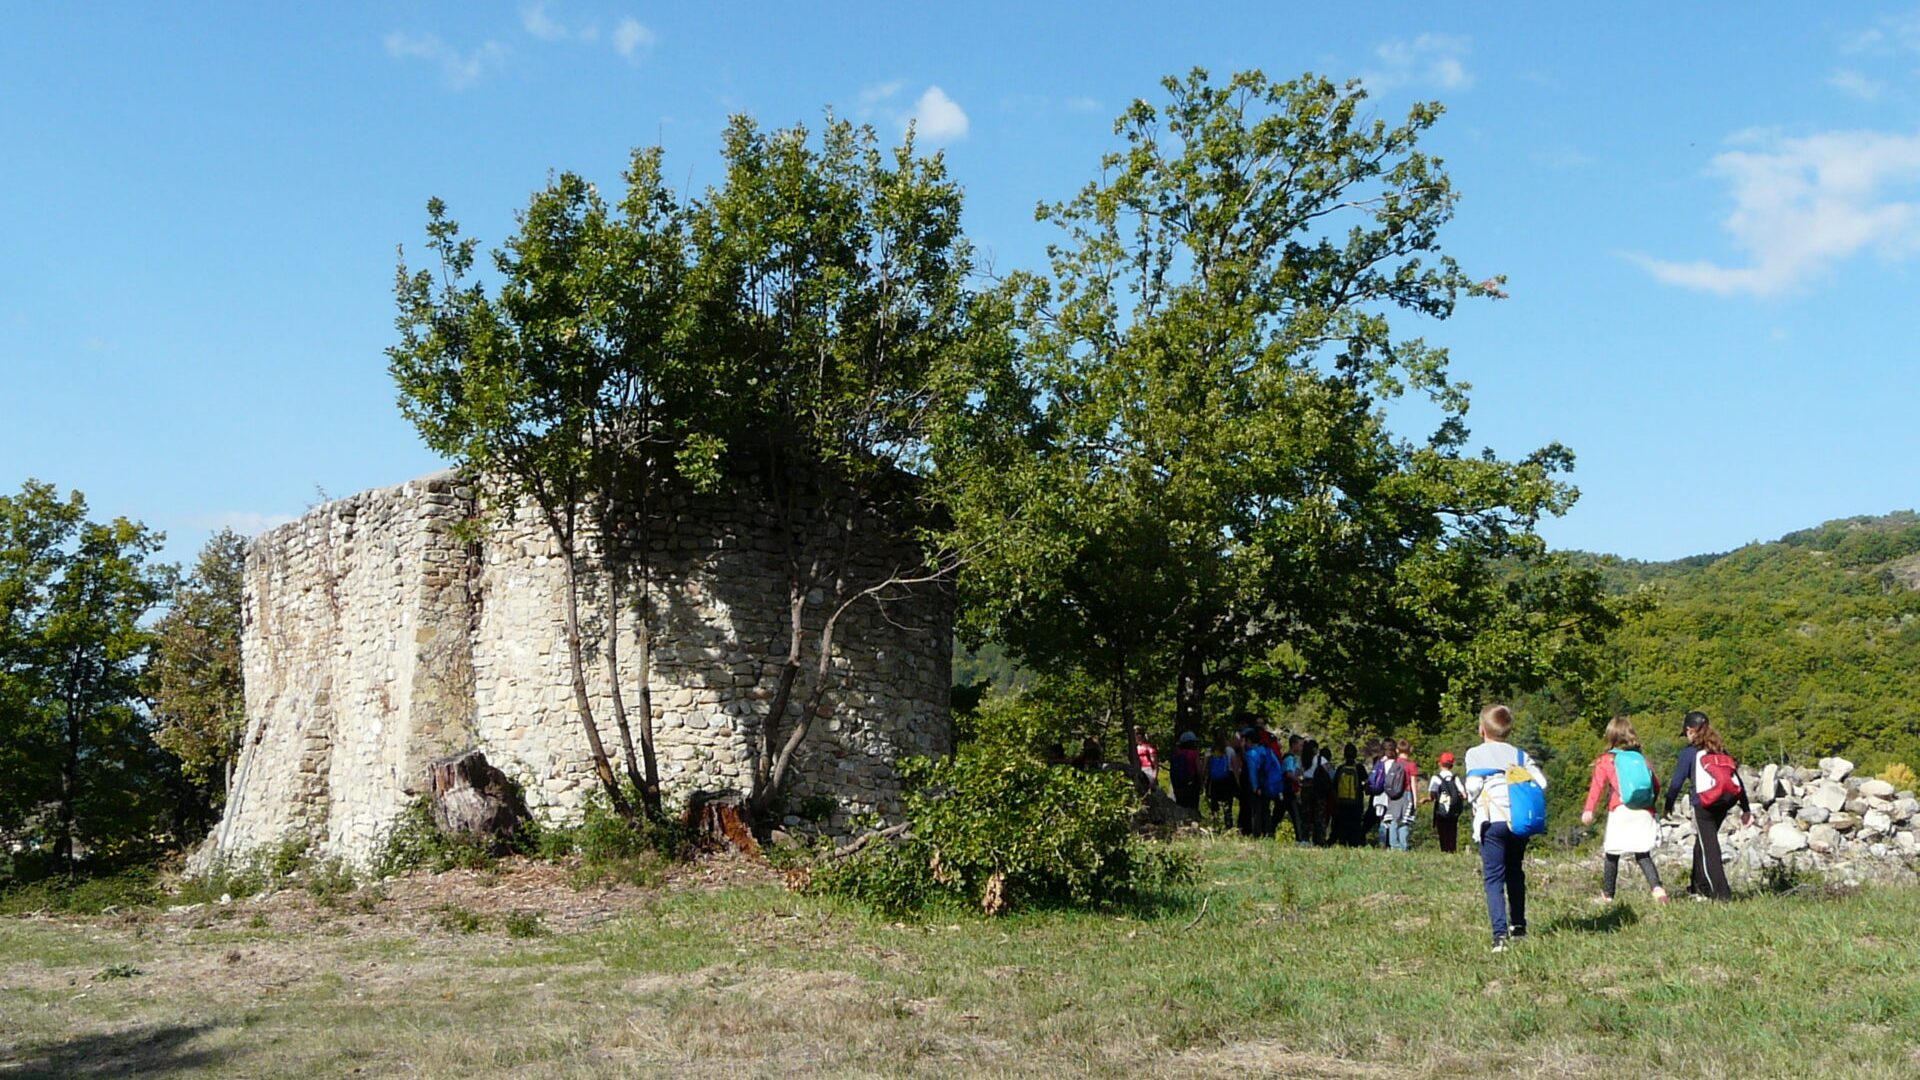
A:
[1005, 832]
[414, 842]
[614, 850]
[127, 890]
[524, 924]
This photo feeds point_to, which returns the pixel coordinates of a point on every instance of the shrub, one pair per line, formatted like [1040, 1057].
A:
[524, 924]
[327, 879]
[1007, 832]
[1900, 775]
[414, 842]
[818, 808]
[125, 891]
[459, 920]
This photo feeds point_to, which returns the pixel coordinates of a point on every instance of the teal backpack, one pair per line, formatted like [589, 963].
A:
[1635, 779]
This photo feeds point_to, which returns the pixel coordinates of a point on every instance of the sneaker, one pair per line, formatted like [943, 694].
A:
[1602, 900]
[1659, 895]
[1518, 933]
[1499, 944]
[1701, 899]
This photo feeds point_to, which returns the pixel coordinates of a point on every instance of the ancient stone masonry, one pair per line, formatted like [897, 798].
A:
[391, 628]
[1822, 820]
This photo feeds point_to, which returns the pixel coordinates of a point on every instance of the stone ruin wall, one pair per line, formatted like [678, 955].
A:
[1823, 821]
[376, 640]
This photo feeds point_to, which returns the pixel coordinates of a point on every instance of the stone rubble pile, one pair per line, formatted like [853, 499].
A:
[1823, 820]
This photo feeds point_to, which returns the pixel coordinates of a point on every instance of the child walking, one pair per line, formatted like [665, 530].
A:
[1622, 773]
[1223, 781]
[1715, 777]
[1449, 798]
[1502, 851]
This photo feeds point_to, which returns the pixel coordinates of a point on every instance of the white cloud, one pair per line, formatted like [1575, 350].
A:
[1803, 205]
[244, 522]
[1853, 83]
[1429, 59]
[1563, 157]
[1893, 34]
[938, 118]
[459, 69]
[1082, 103]
[630, 36]
[535, 20]
[871, 97]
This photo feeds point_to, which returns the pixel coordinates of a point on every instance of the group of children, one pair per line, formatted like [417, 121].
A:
[1502, 794]
[1253, 781]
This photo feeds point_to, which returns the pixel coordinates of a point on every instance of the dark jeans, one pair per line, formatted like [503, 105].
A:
[1260, 817]
[1610, 876]
[1307, 813]
[1504, 872]
[1220, 796]
[1187, 793]
[1350, 824]
[1448, 830]
[1709, 872]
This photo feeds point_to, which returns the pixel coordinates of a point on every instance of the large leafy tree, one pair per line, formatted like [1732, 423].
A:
[863, 380]
[1221, 500]
[76, 752]
[558, 388]
[195, 679]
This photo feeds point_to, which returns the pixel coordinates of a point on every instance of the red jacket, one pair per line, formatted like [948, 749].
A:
[1605, 779]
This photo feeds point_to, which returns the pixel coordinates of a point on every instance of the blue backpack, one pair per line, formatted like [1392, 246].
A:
[1526, 801]
[1635, 779]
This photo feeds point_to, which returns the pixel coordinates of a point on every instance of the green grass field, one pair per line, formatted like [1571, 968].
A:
[1281, 962]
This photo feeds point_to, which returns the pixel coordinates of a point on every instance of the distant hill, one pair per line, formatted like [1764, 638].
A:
[1805, 646]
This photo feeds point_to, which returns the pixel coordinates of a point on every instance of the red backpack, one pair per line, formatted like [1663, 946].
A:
[1716, 780]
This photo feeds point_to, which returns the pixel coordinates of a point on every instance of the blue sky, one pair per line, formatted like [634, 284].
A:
[1709, 215]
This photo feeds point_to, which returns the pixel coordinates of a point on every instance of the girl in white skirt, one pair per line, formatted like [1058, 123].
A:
[1627, 778]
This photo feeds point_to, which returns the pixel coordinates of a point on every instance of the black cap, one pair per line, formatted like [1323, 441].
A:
[1694, 721]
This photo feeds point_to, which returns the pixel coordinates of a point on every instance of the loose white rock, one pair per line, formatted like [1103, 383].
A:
[1785, 839]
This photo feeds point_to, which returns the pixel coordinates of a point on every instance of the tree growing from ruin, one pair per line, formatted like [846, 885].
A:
[861, 378]
[557, 388]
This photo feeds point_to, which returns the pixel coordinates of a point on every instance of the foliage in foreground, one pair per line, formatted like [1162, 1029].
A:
[1006, 833]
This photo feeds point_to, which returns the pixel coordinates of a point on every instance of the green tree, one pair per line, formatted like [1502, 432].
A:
[79, 755]
[195, 679]
[861, 380]
[559, 389]
[1220, 501]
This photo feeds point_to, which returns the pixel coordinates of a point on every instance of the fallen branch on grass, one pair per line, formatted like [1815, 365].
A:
[858, 843]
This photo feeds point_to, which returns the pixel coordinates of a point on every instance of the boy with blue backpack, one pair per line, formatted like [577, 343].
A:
[1262, 783]
[1622, 771]
[1509, 796]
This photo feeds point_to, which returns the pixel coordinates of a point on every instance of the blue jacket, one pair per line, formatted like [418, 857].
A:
[1263, 770]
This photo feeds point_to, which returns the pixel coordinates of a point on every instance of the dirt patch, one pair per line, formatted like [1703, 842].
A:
[463, 901]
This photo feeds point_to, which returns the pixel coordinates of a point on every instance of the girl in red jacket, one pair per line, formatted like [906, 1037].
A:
[1624, 775]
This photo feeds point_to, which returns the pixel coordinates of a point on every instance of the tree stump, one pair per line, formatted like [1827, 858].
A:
[719, 819]
[472, 798]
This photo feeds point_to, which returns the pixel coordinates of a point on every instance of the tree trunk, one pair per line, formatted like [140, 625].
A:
[765, 789]
[472, 798]
[582, 705]
[649, 762]
[69, 785]
[720, 819]
[612, 577]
